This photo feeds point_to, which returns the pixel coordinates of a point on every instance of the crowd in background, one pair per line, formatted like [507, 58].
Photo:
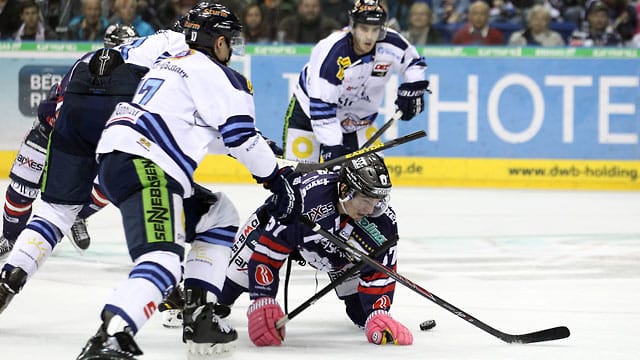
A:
[423, 22]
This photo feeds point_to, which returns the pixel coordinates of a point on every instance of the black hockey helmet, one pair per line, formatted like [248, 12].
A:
[369, 12]
[104, 61]
[117, 34]
[206, 21]
[367, 175]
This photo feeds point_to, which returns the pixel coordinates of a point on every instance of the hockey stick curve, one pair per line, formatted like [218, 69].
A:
[555, 333]
[332, 285]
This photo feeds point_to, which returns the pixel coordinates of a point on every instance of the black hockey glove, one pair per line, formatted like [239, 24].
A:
[286, 203]
[331, 152]
[411, 98]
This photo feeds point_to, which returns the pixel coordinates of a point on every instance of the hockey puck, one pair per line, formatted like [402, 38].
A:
[427, 325]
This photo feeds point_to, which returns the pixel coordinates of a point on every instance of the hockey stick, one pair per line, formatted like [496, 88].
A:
[307, 167]
[332, 285]
[555, 333]
[397, 115]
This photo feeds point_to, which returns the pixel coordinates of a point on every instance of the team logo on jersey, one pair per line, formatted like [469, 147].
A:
[263, 275]
[250, 86]
[380, 69]
[383, 302]
[343, 63]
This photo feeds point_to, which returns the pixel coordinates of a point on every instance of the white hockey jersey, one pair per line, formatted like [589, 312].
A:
[184, 107]
[341, 92]
[145, 51]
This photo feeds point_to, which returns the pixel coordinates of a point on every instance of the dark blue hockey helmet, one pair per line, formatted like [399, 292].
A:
[369, 12]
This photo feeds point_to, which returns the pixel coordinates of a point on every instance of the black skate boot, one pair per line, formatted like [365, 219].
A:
[80, 235]
[204, 331]
[11, 282]
[5, 246]
[102, 346]
[171, 308]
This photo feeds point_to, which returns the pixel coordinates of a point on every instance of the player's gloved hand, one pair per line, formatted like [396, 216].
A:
[286, 203]
[411, 98]
[330, 152]
[263, 314]
[383, 329]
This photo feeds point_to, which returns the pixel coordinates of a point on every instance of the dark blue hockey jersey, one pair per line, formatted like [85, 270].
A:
[277, 241]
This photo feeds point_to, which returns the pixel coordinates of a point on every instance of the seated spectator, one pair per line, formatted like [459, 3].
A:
[126, 14]
[504, 12]
[450, 11]
[308, 25]
[169, 11]
[89, 26]
[33, 27]
[570, 11]
[337, 10]
[275, 11]
[598, 31]
[420, 31]
[537, 32]
[623, 18]
[477, 30]
[9, 18]
[255, 28]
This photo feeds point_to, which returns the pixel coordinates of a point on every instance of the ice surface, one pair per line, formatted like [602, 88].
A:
[519, 261]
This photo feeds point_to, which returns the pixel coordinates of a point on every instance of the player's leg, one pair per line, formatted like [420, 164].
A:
[299, 142]
[79, 236]
[205, 332]
[24, 188]
[62, 198]
[142, 191]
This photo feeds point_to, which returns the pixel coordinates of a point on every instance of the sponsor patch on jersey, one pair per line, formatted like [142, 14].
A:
[383, 302]
[263, 275]
[343, 63]
[380, 69]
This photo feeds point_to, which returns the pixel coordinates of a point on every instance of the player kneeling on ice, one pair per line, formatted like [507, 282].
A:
[353, 204]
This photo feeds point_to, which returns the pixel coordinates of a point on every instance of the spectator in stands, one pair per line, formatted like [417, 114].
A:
[623, 18]
[255, 28]
[450, 11]
[420, 31]
[308, 25]
[571, 11]
[337, 10]
[477, 30]
[169, 11]
[275, 11]
[502, 11]
[537, 32]
[32, 27]
[126, 13]
[89, 26]
[9, 18]
[598, 30]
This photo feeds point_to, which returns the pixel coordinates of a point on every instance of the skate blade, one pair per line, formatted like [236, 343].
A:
[172, 318]
[207, 351]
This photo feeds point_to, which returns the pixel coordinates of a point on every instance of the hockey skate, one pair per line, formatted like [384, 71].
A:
[79, 235]
[5, 247]
[101, 346]
[204, 331]
[11, 282]
[171, 309]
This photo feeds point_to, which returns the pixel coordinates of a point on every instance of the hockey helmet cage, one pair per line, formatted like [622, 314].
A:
[117, 34]
[206, 21]
[104, 61]
[369, 12]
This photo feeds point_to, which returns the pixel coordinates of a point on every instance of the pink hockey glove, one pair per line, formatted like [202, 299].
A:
[382, 329]
[263, 314]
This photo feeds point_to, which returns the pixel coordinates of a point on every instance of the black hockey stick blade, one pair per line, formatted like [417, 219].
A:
[306, 167]
[538, 336]
[555, 333]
